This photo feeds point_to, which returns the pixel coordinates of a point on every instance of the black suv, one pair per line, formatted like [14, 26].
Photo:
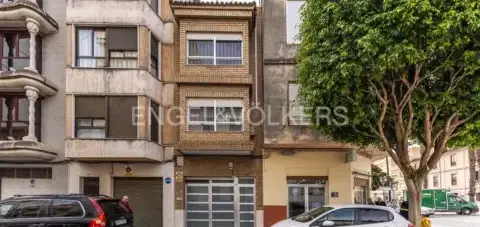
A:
[64, 211]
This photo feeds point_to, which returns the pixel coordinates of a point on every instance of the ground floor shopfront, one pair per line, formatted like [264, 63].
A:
[295, 183]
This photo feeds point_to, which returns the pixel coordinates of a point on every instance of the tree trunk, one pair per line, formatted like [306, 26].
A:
[471, 160]
[414, 187]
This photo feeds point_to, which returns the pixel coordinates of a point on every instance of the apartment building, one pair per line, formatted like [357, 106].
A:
[218, 174]
[451, 173]
[32, 97]
[302, 169]
[115, 95]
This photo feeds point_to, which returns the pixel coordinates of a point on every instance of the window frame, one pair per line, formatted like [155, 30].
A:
[214, 37]
[435, 181]
[106, 117]
[291, 40]
[453, 160]
[453, 179]
[150, 121]
[77, 126]
[16, 105]
[215, 122]
[153, 59]
[107, 52]
[319, 221]
[16, 54]
[391, 216]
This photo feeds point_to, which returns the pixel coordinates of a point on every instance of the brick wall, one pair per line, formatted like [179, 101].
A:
[214, 140]
[213, 73]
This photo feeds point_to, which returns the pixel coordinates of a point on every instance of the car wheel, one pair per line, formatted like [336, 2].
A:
[459, 212]
[466, 211]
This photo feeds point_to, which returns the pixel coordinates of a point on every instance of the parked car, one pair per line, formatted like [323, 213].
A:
[442, 200]
[65, 211]
[427, 212]
[347, 215]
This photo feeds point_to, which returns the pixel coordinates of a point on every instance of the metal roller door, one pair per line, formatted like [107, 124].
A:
[220, 202]
[145, 197]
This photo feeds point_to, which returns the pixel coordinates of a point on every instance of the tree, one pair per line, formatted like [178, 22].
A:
[380, 178]
[401, 71]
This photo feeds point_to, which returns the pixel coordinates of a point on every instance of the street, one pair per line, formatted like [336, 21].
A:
[454, 220]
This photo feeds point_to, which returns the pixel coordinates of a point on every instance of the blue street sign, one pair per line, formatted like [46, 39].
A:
[168, 180]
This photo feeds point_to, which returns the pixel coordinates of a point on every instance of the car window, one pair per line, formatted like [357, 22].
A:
[312, 214]
[30, 209]
[340, 217]
[372, 216]
[5, 208]
[66, 208]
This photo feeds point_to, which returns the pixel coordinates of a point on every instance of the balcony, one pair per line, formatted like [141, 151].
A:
[26, 14]
[116, 150]
[20, 129]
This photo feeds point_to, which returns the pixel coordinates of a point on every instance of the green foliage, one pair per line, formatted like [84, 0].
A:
[380, 178]
[468, 137]
[348, 46]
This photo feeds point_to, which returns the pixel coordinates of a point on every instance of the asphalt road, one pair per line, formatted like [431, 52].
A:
[455, 220]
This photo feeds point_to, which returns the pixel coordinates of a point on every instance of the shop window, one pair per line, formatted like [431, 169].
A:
[107, 47]
[214, 49]
[105, 117]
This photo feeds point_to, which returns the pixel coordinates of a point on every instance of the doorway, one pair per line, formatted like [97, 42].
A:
[305, 194]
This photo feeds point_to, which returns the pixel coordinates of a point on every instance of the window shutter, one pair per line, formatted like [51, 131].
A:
[120, 117]
[122, 39]
[90, 107]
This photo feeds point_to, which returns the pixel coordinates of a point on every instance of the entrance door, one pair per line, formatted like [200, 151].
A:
[304, 197]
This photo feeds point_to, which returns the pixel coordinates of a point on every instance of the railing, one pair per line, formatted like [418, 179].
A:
[10, 1]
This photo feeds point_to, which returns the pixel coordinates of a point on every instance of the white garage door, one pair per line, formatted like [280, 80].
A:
[25, 181]
[220, 202]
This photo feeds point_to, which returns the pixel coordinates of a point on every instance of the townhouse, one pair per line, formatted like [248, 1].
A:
[302, 169]
[218, 174]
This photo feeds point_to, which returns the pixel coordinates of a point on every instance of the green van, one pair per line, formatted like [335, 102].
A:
[441, 200]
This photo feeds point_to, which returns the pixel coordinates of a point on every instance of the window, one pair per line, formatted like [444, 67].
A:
[30, 209]
[293, 20]
[91, 185]
[15, 49]
[154, 5]
[453, 160]
[476, 175]
[5, 208]
[154, 56]
[105, 117]
[154, 117]
[454, 179]
[214, 49]
[435, 181]
[295, 110]
[26, 173]
[66, 208]
[215, 115]
[107, 47]
[14, 117]
[341, 217]
[220, 202]
[373, 216]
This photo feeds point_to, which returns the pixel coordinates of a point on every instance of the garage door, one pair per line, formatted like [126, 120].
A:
[25, 181]
[145, 198]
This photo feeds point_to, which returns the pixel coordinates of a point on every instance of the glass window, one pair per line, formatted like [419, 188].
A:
[215, 115]
[341, 217]
[293, 19]
[312, 214]
[372, 216]
[214, 49]
[154, 119]
[14, 117]
[296, 112]
[6, 208]
[453, 160]
[454, 179]
[112, 47]
[90, 128]
[15, 49]
[435, 181]
[66, 208]
[30, 209]
[154, 54]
